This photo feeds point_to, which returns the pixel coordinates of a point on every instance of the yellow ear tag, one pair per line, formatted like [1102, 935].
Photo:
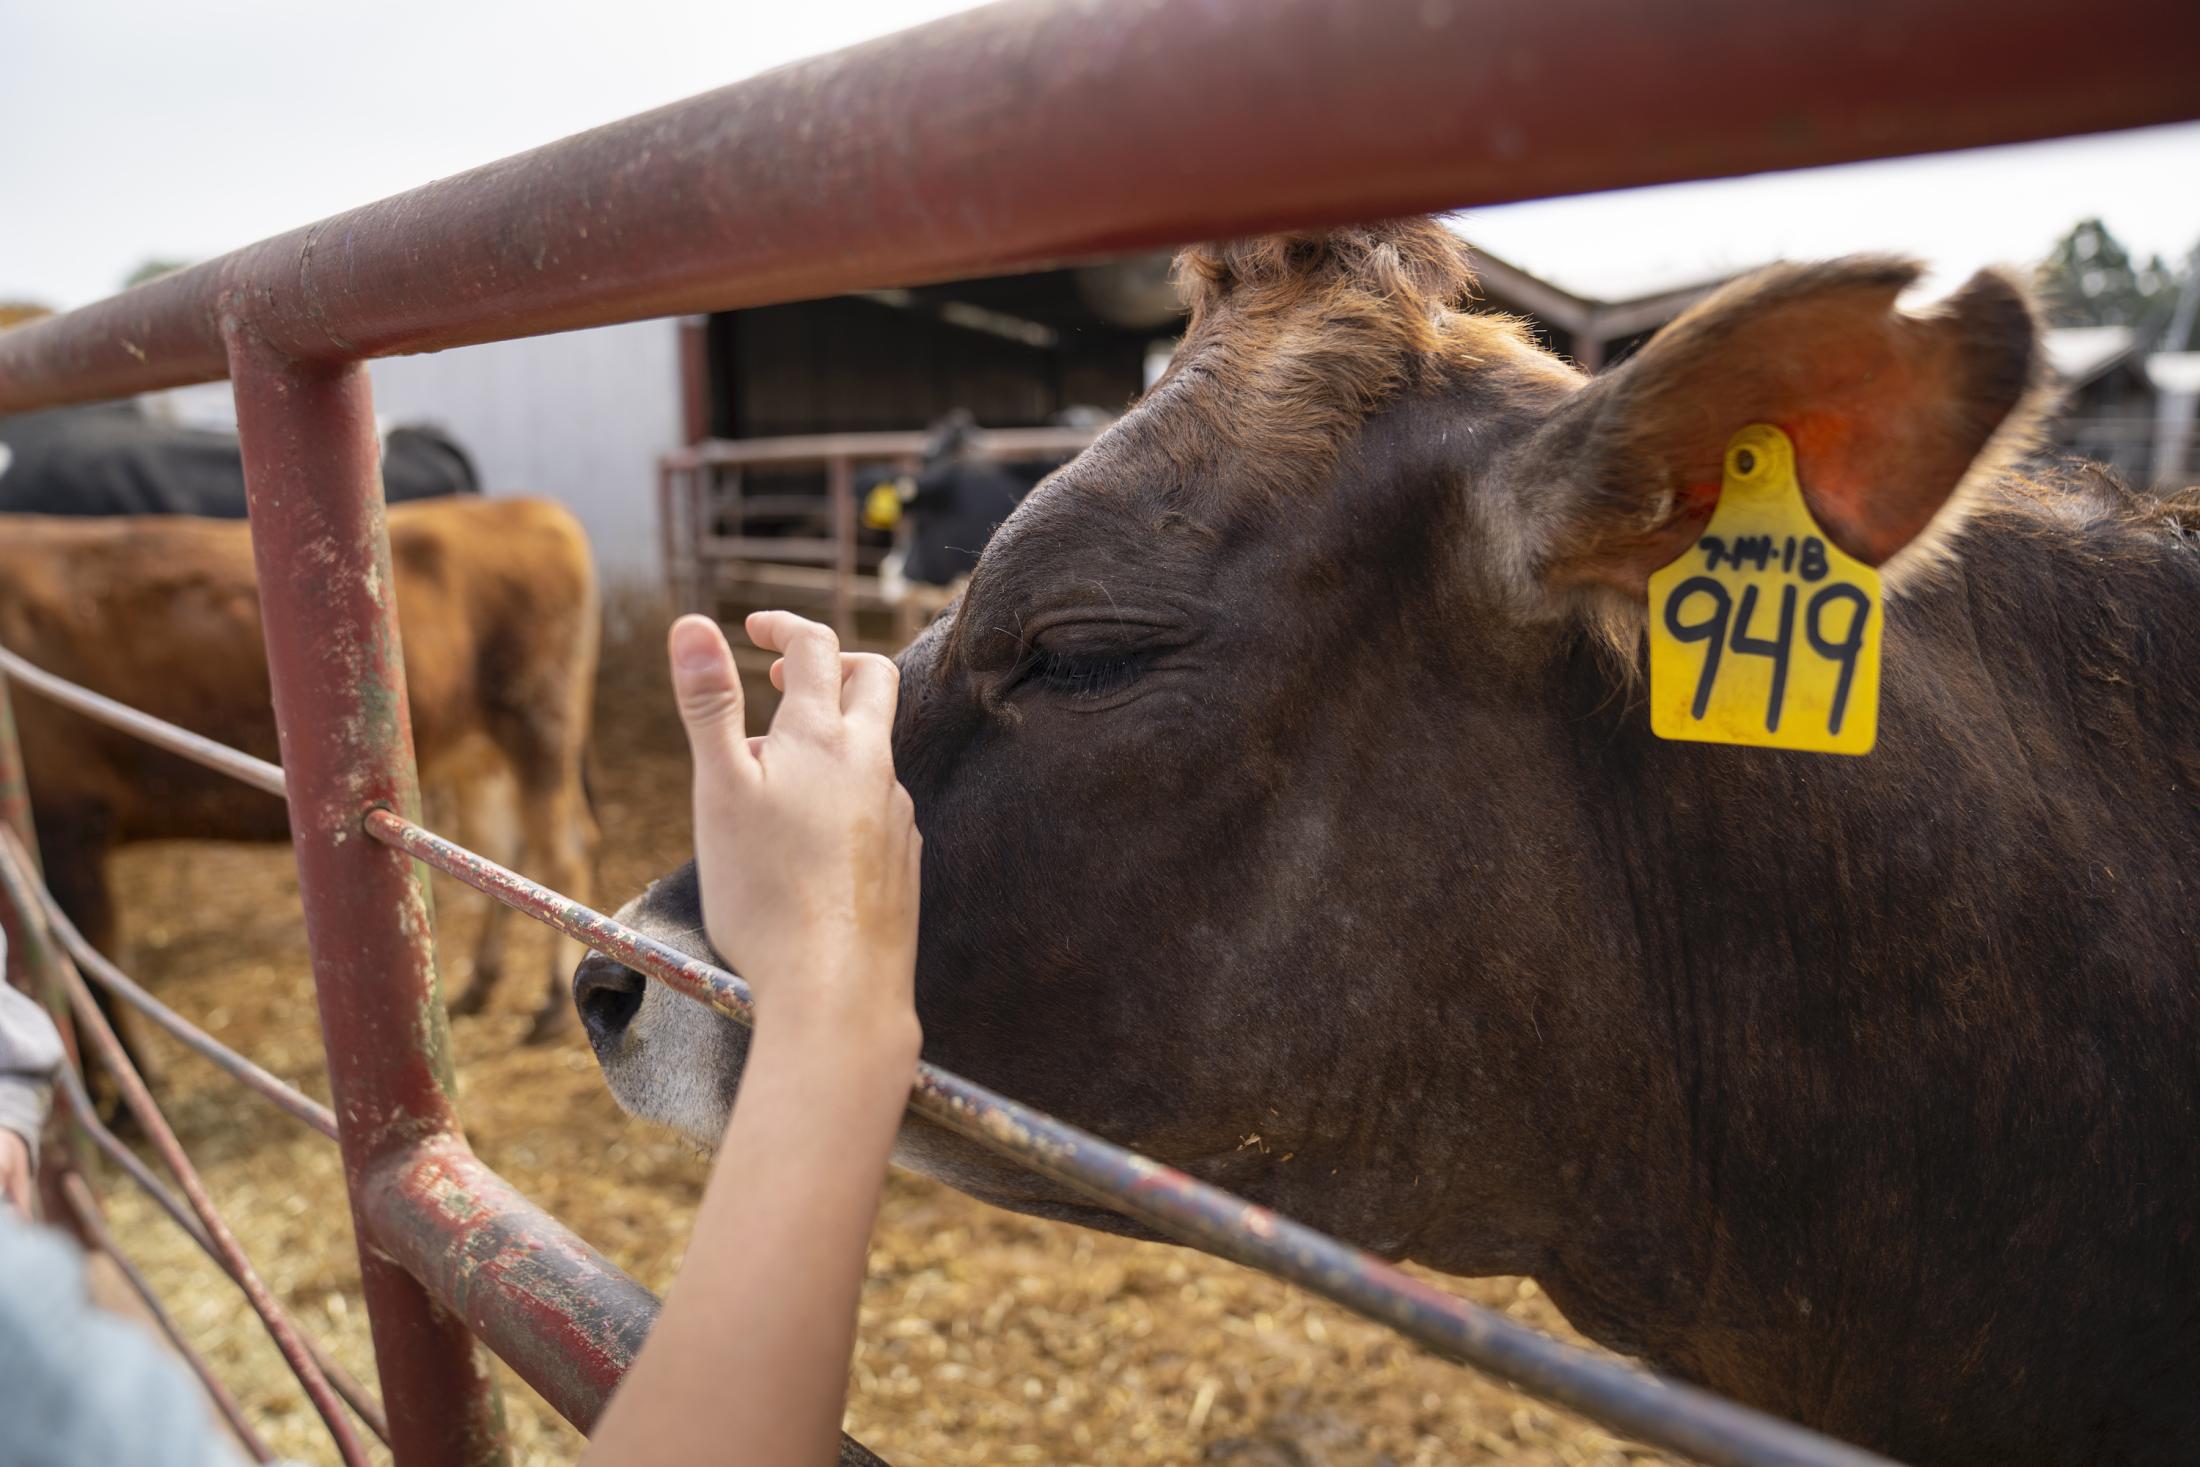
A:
[882, 506]
[1765, 632]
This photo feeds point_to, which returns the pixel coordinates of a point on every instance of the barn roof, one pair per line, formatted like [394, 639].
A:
[2081, 353]
[1603, 314]
[2175, 372]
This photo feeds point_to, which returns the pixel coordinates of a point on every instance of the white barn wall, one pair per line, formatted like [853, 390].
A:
[580, 418]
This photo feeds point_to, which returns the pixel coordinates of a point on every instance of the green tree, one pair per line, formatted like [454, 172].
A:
[152, 269]
[2091, 280]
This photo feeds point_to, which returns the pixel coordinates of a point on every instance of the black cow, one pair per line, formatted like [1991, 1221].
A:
[952, 505]
[111, 459]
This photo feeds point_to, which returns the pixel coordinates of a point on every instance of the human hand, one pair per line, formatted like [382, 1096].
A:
[807, 857]
[805, 843]
[15, 1171]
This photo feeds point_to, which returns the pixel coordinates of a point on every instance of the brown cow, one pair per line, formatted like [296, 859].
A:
[1286, 771]
[497, 604]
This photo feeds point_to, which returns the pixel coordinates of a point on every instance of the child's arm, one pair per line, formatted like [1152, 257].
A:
[30, 1051]
[808, 857]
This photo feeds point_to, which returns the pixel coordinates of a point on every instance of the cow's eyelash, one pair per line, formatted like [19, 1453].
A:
[1083, 674]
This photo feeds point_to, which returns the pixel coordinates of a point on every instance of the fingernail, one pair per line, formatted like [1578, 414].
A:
[692, 651]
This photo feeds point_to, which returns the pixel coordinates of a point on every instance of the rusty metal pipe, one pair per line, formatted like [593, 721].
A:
[94, 1227]
[96, 966]
[313, 488]
[15, 789]
[1662, 1412]
[85, 1117]
[57, 1157]
[57, 1181]
[551, 1306]
[1030, 133]
[15, 887]
[219, 757]
[547, 1303]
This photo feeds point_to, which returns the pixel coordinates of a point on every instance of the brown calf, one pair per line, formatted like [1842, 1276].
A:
[497, 602]
[1286, 770]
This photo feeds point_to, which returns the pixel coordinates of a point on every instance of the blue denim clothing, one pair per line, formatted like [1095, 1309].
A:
[78, 1386]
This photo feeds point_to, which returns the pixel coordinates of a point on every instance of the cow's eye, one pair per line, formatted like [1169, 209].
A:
[1083, 674]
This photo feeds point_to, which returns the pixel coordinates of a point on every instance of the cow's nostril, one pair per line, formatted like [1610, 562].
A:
[608, 994]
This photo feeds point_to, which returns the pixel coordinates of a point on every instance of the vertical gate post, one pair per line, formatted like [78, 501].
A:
[840, 481]
[15, 789]
[15, 814]
[313, 485]
[57, 1148]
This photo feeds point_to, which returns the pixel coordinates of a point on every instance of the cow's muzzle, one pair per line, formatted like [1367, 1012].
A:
[608, 995]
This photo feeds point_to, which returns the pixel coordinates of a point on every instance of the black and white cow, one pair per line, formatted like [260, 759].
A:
[949, 508]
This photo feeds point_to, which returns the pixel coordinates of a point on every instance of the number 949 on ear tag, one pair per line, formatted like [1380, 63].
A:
[1764, 632]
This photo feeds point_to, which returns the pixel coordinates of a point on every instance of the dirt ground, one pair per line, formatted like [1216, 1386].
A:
[985, 1337]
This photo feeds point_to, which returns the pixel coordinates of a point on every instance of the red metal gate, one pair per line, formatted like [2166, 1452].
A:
[1096, 129]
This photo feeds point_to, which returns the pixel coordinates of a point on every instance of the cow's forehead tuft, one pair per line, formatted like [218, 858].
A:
[1295, 339]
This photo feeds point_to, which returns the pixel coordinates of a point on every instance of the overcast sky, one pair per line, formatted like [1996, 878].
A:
[134, 130]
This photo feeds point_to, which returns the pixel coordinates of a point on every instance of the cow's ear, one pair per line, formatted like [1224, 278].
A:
[1892, 414]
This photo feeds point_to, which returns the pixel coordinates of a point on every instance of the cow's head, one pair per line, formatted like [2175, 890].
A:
[1251, 768]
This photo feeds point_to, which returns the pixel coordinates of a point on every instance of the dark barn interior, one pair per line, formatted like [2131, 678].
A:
[1015, 350]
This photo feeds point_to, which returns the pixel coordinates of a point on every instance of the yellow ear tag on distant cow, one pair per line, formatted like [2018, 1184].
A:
[882, 506]
[1765, 632]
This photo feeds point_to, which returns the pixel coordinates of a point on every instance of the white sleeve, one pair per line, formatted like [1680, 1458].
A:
[30, 1051]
